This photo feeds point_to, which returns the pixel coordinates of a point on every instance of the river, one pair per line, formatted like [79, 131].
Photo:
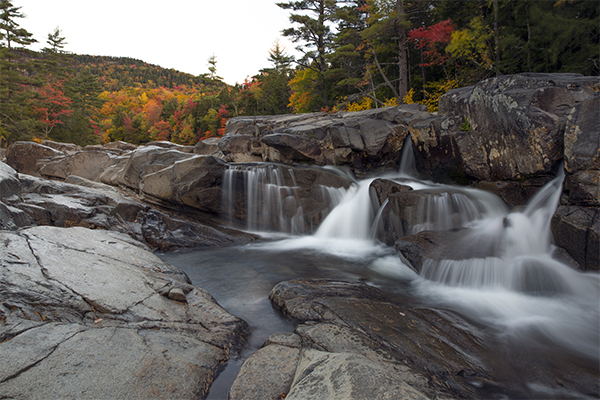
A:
[519, 292]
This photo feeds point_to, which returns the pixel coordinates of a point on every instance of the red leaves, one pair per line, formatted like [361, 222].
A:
[51, 105]
[429, 39]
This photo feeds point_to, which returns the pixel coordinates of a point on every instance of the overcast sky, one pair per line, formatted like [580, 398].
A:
[179, 34]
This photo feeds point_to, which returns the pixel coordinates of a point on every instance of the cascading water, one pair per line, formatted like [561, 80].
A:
[518, 288]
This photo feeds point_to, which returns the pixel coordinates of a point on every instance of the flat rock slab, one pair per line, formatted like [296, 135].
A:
[357, 342]
[87, 314]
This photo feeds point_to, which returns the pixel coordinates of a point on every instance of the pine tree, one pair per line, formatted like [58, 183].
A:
[16, 83]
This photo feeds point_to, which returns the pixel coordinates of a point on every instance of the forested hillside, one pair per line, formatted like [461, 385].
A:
[356, 54]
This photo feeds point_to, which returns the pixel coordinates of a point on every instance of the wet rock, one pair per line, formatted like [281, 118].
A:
[353, 334]
[24, 156]
[163, 232]
[459, 244]
[407, 212]
[82, 317]
[278, 197]
[349, 330]
[266, 374]
[582, 153]
[577, 230]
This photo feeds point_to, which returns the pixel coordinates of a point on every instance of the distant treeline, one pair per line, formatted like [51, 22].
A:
[356, 54]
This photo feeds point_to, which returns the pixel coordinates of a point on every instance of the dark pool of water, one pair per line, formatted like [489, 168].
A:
[240, 278]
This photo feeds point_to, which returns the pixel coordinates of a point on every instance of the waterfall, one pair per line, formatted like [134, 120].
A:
[519, 248]
[352, 217]
[264, 197]
[513, 285]
[408, 165]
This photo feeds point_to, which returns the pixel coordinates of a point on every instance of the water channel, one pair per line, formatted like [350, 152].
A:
[520, 292]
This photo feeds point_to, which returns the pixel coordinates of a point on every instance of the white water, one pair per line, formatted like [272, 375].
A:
[519, 290]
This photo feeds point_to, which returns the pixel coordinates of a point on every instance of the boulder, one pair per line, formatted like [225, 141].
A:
[368, 140]
[406, 211]
[83, 317]
[81, 202]
[516, 123]
[268, 373]
[9, 181]
[358, 343]
[85, 164]
[207, 147]
[195, 182]
[119, 145]
[24, 156]
[68, 148]
[582, 153]
[577, 230]
[143, 161]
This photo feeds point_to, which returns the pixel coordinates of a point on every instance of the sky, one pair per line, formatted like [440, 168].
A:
[179, 34]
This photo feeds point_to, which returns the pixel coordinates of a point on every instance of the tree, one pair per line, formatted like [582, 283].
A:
[56, 42]
[273, 91]
[470, 47]
[10, 32]
[16, 83]
[303, 98]
[313, 30]
[84, 89]
[386, 34]
[51, 104]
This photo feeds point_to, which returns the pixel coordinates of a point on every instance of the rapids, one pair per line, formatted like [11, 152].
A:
[520, 292]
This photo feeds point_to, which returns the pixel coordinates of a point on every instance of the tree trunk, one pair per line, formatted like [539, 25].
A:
[402, 53]
[496, 40]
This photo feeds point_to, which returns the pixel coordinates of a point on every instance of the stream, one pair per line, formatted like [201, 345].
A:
[518, 292]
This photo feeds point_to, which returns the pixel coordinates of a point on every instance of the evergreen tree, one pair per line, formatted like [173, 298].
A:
[84, 91]
[313, 30]
[16, 83]
[274, 91]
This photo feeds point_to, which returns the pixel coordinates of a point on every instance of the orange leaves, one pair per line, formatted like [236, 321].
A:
[51, 104]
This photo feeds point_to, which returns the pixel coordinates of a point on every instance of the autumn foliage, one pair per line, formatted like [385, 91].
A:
[51, 105]
[432, 41]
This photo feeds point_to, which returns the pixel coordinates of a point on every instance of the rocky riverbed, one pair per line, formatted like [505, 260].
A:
[88, 311]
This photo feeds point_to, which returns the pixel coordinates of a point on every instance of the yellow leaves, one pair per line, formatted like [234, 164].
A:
[409, 98]
[471, 44]
[364, 104]
[302, 99]
[392, 102]
[435, 90]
